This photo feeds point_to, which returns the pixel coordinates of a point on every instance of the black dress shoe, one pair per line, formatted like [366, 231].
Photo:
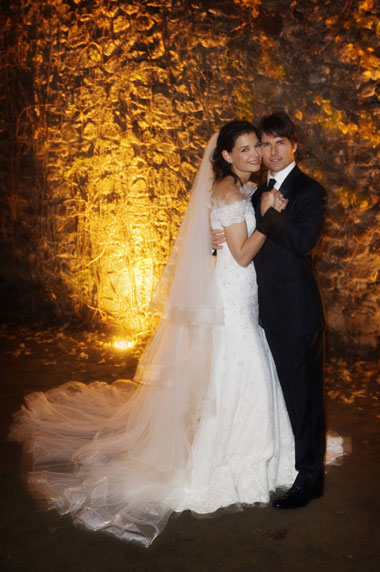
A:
[298, 496]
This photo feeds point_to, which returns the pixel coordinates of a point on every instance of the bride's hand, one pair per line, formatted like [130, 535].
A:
[279, 201]
[267, 201]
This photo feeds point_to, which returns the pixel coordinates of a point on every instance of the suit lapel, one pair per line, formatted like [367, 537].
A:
[288, 186]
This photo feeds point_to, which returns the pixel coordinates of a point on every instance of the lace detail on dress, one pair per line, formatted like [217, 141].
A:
[246, 450]
[223, 214]
[235, 283]
[233, 213]
[248, 190]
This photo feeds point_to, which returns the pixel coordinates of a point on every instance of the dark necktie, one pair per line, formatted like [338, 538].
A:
[271, 184]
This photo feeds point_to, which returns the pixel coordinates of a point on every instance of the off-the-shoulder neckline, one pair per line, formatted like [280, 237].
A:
[246, 191]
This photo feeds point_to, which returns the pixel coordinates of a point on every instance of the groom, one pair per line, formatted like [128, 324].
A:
[291, 310]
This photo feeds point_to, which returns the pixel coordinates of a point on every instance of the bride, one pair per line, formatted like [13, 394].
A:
[203, 425]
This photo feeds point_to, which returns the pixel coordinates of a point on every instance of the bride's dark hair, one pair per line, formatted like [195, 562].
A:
[227, 137]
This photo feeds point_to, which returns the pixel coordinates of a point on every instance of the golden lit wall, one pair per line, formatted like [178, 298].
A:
[108, 105]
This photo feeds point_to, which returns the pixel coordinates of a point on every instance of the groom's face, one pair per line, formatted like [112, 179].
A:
[278, 152]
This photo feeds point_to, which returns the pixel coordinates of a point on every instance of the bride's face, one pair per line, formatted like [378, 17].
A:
[245, 156]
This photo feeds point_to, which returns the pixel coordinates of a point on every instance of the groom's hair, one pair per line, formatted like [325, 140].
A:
[278, 124]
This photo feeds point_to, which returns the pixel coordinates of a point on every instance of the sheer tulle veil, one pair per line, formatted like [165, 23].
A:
[185, 296]
[184, 292]
[116, 456]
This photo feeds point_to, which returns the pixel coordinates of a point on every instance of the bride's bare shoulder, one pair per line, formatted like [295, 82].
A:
[226, 191]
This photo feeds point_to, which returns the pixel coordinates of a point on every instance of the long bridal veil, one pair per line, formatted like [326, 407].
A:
[115, 456]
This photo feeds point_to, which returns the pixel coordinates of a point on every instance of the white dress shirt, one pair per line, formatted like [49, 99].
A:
[281, 175]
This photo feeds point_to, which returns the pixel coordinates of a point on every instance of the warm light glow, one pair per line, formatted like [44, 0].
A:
[108, 108]
[121, 344]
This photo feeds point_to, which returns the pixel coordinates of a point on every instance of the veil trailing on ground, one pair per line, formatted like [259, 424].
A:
[116, 456]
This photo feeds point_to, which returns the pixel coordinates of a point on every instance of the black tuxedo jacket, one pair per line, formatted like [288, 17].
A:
[289, 298]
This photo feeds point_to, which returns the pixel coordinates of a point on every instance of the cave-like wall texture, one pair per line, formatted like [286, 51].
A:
[106, 108]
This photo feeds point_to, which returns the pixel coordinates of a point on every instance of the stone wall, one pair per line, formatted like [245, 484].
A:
[108, 105]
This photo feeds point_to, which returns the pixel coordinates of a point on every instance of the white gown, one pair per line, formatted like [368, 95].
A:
[246, 450]
[114, 456]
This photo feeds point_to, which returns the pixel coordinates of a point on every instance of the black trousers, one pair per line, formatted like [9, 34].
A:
[299, 362]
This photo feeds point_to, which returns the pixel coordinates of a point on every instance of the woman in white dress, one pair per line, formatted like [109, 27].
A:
[203, 424]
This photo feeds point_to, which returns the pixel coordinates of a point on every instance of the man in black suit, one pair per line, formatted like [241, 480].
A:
[291, 310]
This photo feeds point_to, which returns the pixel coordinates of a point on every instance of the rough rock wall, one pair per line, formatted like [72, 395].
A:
[108, 105]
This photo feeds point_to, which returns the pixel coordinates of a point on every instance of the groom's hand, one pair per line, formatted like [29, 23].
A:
[217, 238]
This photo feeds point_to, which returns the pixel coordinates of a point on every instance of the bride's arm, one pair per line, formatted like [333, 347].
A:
[242, 247]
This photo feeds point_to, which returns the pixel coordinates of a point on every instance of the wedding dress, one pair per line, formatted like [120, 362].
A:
[246, 449]
[202, 426]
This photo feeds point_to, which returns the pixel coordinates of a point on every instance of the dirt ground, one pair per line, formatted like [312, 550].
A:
[339, 532]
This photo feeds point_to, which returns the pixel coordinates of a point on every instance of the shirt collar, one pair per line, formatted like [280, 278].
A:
[281, 175]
